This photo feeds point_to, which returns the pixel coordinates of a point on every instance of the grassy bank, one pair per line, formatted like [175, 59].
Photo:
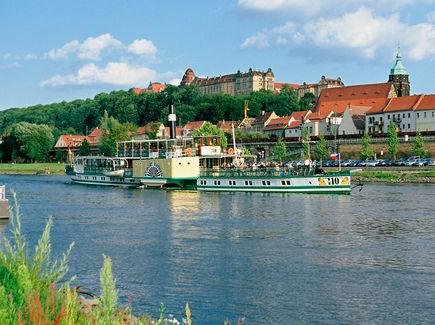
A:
[395, 176]
[34, 291]
[36, 168]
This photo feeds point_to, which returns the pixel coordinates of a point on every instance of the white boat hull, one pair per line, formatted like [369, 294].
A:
[298, 184]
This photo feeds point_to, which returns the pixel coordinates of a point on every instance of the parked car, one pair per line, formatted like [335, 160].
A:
[431, 162]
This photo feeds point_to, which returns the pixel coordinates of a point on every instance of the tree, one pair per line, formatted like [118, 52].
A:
[307, 102]
[321, 148]
[84, 149]
[366, 148]
[305, 138]
[393, 141]
[417, 148]
[209, 129]
[112, 132]
[280, 151]
[29, 141]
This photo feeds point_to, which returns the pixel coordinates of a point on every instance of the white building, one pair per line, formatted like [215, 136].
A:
[409, 113]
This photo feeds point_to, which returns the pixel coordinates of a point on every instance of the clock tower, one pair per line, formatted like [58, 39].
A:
[399, 77]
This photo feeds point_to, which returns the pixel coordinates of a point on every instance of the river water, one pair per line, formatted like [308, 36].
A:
[367, 258]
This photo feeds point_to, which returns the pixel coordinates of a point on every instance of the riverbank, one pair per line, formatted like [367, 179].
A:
[392, 175]
[395, 176]
[35, 168]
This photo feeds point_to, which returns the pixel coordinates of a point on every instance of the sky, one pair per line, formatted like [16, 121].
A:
[61, 50]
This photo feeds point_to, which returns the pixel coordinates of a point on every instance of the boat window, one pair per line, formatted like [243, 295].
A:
[268, 182]
[282, 182]
[288, 182]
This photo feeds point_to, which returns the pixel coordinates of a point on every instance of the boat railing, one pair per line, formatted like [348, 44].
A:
[93, 170]
[257, 172]
[157, 153]
[263, 172]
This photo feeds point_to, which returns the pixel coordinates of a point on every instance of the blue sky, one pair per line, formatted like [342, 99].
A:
[63, 50]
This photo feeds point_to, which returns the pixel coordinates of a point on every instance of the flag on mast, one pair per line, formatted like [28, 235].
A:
[335, 156]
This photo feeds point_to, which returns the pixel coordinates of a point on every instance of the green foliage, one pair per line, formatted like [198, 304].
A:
[22, 276]
[393, 141]
[209, 129]
[366, 148]
[112, 132]
[321, 148]
[307, 102]
[108, 297]
[29, 141]
[79, 115]
[84, 149]
[280, 151]
[417, 148]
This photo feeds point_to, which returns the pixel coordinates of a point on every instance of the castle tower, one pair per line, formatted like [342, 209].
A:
[399, 77]
[188, 77]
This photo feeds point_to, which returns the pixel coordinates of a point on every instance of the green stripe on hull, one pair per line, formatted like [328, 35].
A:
[292, 189]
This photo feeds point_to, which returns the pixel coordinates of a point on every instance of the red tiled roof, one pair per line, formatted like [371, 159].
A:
[337, 99]
[194, 125]
[294, 124]
[153, 87]
[280, 85]
[227, 125]
[278, 123]
[178, 131]
[300, 114]
[427, 102]
[96, 133]
[404, 103]
[319, 115]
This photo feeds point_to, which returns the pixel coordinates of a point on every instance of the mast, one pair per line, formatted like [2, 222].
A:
[172, 118]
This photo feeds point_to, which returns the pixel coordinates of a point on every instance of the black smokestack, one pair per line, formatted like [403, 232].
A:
[172, 121]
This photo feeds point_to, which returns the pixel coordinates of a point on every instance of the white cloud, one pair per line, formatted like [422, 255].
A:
[431, 17]
[356, 35]
[93, 46]
[259, 40]
[115, 73]
[298, 9]
[64, 51]
[7, 56]
[142, 47]
[10, 66]
[305, 7]
[90, 49]
[30, 56]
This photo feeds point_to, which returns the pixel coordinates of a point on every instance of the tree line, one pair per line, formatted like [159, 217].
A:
[82, 115]
[30, 133]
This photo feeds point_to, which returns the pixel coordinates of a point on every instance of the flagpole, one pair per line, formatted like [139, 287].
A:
[339, 162]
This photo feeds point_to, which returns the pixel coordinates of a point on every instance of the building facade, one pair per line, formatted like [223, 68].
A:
[317, 88]
[408, 113]
[240, 83]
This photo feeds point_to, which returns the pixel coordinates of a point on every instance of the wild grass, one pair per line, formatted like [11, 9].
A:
[34, 168]
[33, 289]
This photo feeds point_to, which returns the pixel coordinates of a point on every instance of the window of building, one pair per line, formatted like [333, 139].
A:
[424, 114]
[403, 115]
[388, 116]
[381, 118]
[409, 114]
[409, 126]
[433, 114]
[403, 126]
[418, 115]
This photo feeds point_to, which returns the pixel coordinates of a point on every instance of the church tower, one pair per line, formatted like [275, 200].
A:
[399, 77]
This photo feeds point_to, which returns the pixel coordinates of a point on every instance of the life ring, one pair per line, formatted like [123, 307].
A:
[188, 152]
[230, 151]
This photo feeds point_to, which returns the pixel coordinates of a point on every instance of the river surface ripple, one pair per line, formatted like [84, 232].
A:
[368, 258]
